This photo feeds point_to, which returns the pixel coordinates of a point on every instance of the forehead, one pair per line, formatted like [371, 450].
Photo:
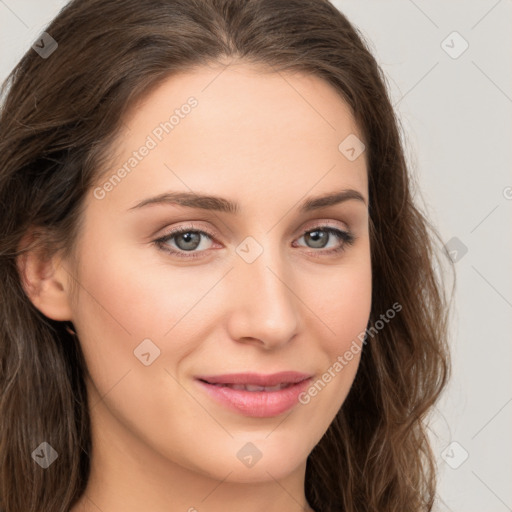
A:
[246, 98]
[248, 127]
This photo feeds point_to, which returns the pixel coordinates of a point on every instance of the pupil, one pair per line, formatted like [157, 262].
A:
[318, 236]
[189, 239]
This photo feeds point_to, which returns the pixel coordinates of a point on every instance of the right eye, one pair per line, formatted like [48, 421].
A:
[186, 240]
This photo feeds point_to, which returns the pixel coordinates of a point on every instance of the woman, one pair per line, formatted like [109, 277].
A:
[217, 291]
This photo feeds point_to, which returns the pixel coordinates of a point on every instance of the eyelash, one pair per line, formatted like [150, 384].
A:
[347, 237]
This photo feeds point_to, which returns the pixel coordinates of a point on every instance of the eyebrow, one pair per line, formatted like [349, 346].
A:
[221, 204]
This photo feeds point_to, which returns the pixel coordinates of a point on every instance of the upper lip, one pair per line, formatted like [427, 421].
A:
[256, 379]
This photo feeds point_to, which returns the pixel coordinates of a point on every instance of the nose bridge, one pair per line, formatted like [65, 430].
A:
[264, 307]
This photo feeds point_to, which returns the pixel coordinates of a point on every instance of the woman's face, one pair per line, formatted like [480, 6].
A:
[263, 289]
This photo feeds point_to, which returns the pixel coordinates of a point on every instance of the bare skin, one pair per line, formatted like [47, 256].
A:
[269, 142]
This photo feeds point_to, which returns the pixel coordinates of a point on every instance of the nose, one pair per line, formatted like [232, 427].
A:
[264, 308]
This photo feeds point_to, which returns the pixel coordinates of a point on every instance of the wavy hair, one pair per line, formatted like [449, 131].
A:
[59, 118]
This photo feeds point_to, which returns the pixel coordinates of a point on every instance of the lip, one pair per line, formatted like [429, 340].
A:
[256, 379]
[257, 404]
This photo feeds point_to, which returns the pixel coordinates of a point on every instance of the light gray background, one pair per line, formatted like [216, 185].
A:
[456, 113]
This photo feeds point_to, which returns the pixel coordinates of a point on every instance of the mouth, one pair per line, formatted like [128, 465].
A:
[256, 379]
[251, 387]
[256, 395]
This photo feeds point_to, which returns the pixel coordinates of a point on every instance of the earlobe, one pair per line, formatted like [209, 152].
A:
[45, 282]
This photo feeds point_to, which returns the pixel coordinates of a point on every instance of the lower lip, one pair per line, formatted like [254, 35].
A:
[258, 404]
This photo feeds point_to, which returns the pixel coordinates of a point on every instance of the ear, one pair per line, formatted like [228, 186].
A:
[46, 283]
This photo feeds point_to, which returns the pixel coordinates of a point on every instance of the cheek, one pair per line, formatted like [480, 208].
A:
[342, 306]
[121, 305]
[126, 298]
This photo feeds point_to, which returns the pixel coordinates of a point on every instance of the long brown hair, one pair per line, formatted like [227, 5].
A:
[60, 115]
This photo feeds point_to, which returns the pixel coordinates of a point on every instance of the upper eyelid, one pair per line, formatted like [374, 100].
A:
[193, 225]
[171, 233]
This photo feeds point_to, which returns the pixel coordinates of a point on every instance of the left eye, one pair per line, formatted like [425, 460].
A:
[188, 239]
[321, 234]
